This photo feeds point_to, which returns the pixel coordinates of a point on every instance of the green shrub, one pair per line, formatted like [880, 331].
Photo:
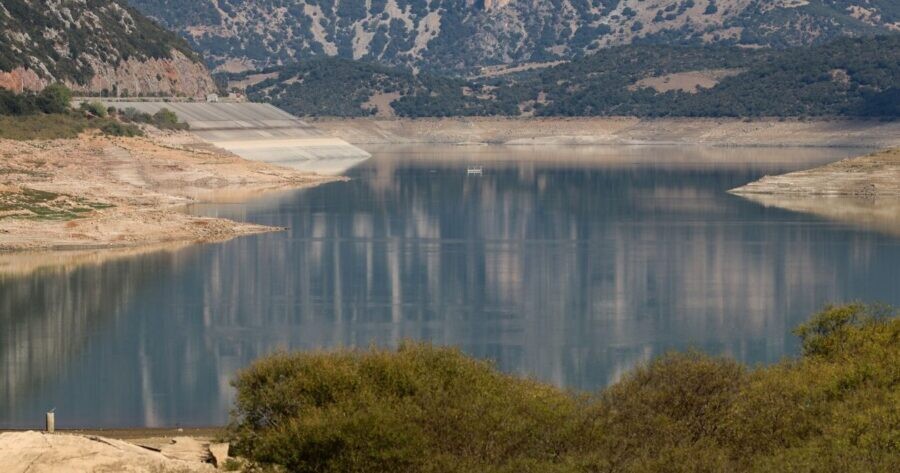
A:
[114, 128]
[419, 408]
[95, 108]
[670, 410]
[41, 127]
[428, 409]
[166, 119]
[55, 98]
[132, 114]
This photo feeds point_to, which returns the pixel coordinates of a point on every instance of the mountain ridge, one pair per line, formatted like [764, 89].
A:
[848, 77]
[460, 35]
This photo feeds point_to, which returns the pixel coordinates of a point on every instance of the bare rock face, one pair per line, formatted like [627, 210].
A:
[94, 46]
[178, 75]
[21, 79]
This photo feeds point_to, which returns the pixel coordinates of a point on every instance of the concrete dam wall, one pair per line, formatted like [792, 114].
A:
[261, 132]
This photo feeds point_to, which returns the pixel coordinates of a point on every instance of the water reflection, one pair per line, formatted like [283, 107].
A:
[556, 269]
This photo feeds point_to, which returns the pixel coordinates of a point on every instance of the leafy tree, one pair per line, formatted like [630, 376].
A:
[55, 98]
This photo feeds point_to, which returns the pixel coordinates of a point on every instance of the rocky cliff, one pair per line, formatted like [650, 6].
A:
[94, 46]
[460, 34]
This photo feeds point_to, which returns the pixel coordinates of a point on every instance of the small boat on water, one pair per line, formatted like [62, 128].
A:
[475, 170]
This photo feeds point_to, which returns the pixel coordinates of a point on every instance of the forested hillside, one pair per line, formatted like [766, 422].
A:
[309, 88]
[460, 35]
[847, 77]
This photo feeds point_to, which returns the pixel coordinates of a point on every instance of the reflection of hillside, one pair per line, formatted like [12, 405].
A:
[876, 213]
[51, 318]
[572, 276]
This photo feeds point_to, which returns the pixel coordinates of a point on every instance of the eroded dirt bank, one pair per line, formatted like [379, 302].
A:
[614, 130]
[873, 175]
[99, 192]
[862, 191]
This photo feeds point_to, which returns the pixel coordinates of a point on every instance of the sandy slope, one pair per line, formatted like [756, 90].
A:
[125, 192]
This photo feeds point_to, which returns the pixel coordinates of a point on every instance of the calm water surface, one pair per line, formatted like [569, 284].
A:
[567, 265]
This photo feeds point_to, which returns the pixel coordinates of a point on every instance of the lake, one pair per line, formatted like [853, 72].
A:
[569, 265]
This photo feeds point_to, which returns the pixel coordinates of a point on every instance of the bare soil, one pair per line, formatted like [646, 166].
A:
[862, 191]
[100, 192]
[613, 131]
[874, 175]
[62, 452]
[690, 82]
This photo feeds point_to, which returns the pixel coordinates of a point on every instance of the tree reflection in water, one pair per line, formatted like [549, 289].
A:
[567, 271]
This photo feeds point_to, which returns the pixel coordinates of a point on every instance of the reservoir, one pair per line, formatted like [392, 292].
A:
[567, 265]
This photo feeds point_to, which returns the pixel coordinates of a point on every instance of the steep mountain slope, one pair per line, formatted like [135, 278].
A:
[460, 34]
[94, 46]
[857, 77]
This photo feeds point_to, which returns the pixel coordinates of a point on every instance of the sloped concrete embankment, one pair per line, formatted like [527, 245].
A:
[261, 132]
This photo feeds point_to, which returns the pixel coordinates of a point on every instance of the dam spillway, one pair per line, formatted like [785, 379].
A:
[260, 132]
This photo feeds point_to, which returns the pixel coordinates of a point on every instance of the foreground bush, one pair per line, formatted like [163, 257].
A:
[428, 409]
[417, 409]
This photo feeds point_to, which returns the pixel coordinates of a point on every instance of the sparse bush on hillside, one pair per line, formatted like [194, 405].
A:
[114, 128]
[48, 115]
[422, 408]
[55, 98]
[164, 119]
[96, 109]
[132, 114]
[41, 127]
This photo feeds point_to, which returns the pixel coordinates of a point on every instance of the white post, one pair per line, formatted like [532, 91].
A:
[51, 422]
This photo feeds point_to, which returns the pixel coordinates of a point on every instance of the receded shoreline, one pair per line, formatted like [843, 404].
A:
[873, 175]
[764, 132]
[97, 192]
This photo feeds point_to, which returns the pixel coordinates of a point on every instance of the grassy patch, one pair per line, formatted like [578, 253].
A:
[60, 126]
[41, 126]
[41, 205]
[5, 171]
[422, 408]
